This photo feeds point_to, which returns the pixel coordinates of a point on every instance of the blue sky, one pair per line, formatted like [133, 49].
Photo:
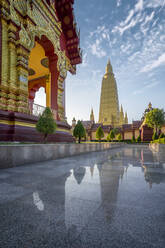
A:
[132, 34]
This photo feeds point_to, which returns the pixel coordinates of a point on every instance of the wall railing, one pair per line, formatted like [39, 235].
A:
[37, 110]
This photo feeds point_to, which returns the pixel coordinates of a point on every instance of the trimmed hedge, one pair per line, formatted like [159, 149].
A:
[159, 141]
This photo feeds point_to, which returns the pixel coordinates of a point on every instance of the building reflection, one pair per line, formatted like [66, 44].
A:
[37, 201]
[79, 174]
[154, 171]
[74, 197]
[110, 174]
[152, 176]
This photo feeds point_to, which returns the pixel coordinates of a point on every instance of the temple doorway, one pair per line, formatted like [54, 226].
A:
[40, 97]
[38, 80]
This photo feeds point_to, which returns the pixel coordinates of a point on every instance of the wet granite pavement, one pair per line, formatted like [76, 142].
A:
[104, 199]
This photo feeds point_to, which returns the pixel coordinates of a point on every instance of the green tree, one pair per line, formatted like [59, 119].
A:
[99, 133]
[111, 135]
[155, 136]
[138, 139]
[119, 137]
[116, 131]
[155, 119]
[79, 131]
[133, 140]
[161, 136]
[46, 123]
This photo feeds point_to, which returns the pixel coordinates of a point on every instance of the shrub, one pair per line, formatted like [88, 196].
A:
[155, 136]
[133, 140]
[159, 141]
[138, 139]
[119, 137]
[46, 123]
[99, 133]
[161, 135]
[79, 131]
[111, 135]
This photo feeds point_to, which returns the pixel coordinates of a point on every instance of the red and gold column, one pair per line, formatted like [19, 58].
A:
[54, 85]
[61, 96]
[48, 90]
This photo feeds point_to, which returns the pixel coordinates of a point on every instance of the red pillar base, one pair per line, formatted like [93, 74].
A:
[18, 127]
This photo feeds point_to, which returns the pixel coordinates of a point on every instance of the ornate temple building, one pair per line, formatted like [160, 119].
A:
[39, 44]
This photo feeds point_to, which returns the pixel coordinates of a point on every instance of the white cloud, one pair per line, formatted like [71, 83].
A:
[132, 24]
[156, 63]
[145, 25]
[133, 56]
[97, 50]
[118, 3]
[100, 31]
[130, 15]
[96, 74]
[84, 60]
[152, 85]
[139, 5]
[147, 86]
[134, 17]
[136, 92]
[149, 18]
[126, 48]
[155, 3]
[100, 36]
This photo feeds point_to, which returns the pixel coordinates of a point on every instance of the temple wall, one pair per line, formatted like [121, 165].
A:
[128, 135]
[136, 133]
[93, 135]
[15, 155]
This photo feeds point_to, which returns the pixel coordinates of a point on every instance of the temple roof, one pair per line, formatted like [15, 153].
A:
[87, 124]
[72, 34]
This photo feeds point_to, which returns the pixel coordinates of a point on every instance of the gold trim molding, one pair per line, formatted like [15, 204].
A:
[25, 124]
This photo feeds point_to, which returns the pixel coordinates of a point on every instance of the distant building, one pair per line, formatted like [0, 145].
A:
[127, 130]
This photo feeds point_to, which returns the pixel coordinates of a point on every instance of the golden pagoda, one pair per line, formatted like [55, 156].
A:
[109, 104]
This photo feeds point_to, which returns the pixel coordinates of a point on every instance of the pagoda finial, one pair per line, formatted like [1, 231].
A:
[73, 122]
[150, 105]
[108, 67]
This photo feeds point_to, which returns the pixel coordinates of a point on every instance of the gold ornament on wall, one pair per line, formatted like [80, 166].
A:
[13, 13]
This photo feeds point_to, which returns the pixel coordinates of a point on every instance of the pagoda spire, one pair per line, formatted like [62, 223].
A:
[121, 115]
[92, 118]
[126, 118]
[121, 109]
